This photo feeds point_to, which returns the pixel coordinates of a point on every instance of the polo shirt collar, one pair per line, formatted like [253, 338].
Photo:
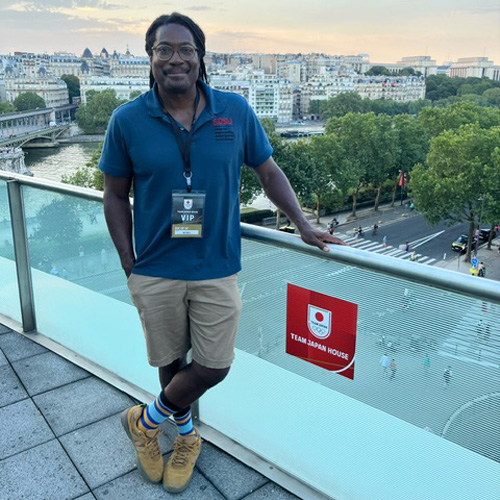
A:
[214, 104]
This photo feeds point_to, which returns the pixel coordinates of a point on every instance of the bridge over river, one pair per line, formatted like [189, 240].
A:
[40, 126]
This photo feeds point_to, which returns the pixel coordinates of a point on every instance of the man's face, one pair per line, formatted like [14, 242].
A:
[174, 76]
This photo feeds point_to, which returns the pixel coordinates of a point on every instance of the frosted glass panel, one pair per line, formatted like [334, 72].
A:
[9, 290]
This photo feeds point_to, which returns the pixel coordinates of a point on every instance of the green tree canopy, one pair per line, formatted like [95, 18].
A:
[28, 101]
[461, 167]
[88, 176]
[73, 84]
[134, 94]
[355, 133]
[348, 102]
[493, 96]
[6, 107]
[437, 120]
[378, 70]
[94, 116]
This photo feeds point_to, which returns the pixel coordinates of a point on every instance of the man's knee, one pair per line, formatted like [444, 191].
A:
[167, 372]
[209, 377]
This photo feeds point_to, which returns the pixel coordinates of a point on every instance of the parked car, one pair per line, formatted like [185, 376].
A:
[460, 244]
[484, 234]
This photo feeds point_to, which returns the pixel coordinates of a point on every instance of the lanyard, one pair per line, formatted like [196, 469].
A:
[185, 147]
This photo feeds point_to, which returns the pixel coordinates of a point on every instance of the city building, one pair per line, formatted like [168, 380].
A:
[269, 96]
[122, 86]
[478, 67]
[53, 91]
[422, 64]
[401, 89]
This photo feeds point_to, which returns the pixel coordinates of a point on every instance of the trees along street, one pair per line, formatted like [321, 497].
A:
[461, 168]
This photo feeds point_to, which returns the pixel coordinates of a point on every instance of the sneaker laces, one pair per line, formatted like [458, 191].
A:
[150, 444]
[181, 453]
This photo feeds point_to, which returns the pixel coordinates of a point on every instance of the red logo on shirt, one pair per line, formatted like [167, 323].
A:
[217, 122]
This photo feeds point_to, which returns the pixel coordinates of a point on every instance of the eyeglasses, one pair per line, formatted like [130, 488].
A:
[165, 52]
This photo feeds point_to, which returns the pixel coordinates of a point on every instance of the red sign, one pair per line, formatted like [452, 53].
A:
[321, 330]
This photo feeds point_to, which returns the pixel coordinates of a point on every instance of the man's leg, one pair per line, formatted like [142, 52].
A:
[214, 310]
[163, 312]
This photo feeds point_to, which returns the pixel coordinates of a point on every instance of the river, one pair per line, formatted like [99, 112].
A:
[53, 163]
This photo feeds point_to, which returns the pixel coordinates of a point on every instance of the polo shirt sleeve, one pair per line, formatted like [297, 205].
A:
[257, 147]
[115, 159]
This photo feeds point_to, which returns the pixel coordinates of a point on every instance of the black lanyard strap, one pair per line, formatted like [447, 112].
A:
[185, 147]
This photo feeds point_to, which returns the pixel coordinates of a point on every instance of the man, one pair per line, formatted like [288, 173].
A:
[182, 145]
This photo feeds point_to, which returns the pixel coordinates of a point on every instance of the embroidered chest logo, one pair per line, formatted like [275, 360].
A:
[223, 129]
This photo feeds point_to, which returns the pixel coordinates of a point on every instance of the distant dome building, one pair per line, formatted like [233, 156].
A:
[104, 53]
[87, 54]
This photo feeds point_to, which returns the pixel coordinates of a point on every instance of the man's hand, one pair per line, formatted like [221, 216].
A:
[317, 238]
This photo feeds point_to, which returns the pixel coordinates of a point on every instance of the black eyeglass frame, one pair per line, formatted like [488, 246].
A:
[174, 50]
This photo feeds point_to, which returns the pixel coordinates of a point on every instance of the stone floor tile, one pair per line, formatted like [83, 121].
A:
[3, 359]
[11, 389]
[231, 477]
[22, 427]
[88, 496]
[57, 371]
[132, 487]
[15, 346]
[79, 404]
[4, 329]
[41, 473]
[271, 491]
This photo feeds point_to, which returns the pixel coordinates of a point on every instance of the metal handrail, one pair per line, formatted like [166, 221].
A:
[482, 289]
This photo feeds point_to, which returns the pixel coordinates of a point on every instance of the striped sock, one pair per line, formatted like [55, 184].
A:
[184, 422]
[156, 412]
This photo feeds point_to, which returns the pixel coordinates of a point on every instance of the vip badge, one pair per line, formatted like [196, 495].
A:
[188, 203]
[319, 322]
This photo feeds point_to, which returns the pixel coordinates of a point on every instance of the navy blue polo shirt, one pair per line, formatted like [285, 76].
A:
[140, 143]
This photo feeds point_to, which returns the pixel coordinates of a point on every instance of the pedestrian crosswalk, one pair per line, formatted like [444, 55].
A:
[476, 338]
[363, 243]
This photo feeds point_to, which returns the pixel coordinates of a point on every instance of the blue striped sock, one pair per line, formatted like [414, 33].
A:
[155, 413]
[184, 422]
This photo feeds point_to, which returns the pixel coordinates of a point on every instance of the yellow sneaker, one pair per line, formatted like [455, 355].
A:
[180, 465]
[149, 459]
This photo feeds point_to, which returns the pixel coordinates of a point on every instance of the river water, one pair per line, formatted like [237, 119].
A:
[53, 163]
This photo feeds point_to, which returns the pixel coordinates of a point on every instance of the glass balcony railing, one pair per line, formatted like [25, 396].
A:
[404, 436]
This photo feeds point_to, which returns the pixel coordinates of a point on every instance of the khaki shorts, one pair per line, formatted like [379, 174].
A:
[178, 315]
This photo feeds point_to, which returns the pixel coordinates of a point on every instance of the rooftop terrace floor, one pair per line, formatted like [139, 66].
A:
[61, 438]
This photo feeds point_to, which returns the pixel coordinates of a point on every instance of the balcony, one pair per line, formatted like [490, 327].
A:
[312, 431]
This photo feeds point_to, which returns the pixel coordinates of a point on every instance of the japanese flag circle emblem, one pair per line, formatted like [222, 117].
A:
[319, 322]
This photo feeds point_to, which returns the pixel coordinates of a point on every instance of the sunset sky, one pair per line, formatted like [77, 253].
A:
[385, 29]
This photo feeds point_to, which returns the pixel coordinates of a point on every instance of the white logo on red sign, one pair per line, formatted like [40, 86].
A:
[188, 203]
[319, 322]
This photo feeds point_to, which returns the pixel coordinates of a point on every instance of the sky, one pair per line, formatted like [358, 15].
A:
[386, 30]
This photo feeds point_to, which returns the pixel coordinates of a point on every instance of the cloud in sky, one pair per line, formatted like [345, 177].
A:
[386, 29]
[61, 5]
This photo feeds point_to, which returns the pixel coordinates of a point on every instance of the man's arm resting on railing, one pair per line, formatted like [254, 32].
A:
[280, 192]
[119, 218]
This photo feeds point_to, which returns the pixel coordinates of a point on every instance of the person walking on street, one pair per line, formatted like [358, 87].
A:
[447, 375]
[393, 366]
[481, 270]
[384, 241]
[182, 145]
[384, 362]
[427, 363]
[407, 246]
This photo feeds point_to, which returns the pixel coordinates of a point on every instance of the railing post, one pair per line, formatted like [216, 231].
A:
[21, 253]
